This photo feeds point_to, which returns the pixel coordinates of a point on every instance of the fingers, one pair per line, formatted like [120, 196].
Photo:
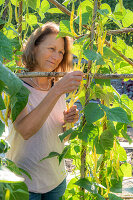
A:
[71, 115]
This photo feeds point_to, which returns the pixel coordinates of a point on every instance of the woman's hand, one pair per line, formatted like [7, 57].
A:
[71, 115]
[69, 82]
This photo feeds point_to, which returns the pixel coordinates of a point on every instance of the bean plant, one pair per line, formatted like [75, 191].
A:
[100, 162]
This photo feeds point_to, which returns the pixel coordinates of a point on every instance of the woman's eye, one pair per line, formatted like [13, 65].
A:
[52, 48]
[61, 52]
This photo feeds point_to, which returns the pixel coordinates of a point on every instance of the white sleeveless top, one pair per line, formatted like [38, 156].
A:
[47, 174]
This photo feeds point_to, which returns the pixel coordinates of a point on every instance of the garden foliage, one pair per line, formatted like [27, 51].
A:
[105, 114]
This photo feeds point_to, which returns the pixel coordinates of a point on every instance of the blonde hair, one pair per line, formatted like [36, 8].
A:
[39, 35]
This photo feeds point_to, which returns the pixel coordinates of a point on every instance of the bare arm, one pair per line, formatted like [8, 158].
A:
[28, 125]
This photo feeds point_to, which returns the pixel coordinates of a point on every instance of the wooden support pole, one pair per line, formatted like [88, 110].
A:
[61, 74]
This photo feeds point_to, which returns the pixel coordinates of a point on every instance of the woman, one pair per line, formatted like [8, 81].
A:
[37, 127]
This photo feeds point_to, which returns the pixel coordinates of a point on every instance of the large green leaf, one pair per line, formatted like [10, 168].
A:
[86, 184]
[2, 105]
[34, 4]
[126, 168]
[55, 10]
[91, 55]
[93, 112]
[5, 47]
[2, 128]
[12, 167]
[12, 83]
[44, 6]
[65, 134]
[85, 18]
[117, 114]
[19, 191]
[107, 139]
[107, 53]
[31, 19]
[114, 197]
[6, 176]
[128, 19]
[99, 147]
[64, 152]
[86, 6]
[19, 101]
[88, 132]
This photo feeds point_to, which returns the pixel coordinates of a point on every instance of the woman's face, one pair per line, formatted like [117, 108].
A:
[49, 53]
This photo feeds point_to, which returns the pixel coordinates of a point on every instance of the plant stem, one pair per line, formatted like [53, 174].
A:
[61, 7]
[20, 20]
[83, 148]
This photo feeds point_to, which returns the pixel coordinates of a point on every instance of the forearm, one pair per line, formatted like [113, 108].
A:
[31, 123]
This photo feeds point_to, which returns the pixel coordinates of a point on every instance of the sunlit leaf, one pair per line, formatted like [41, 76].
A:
[86, 184]
[55, 10]
[5, 47]
[51, 155]
[128, 19]
[114, 197]
[19, 101]
[90, 109]
[31, 19]
[107, 139]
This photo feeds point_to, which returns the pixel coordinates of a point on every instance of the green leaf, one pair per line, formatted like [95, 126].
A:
[128, 19]
[107, 53]
[2, 21]
[19, 191]
[64, 152]
[86, 184]
[64, 34]
[2, 128]
[117, 114]
[126, 169]
[31, 19]
[85, 18]
[114, 197]
[65, 26]
[99, 148]
[86, 6]
[126, 136]
[13, 167]
[2, 2]
[99, 60]
[5, 47]
[106, 140]
[88, 132]
[12, 83]
[6, 176]
[106, 6]
[89, 54]
[51, 155]
[121, 153]
[65, 134]
[103, 11]
[2, 105]
[90, 109]
[25, 172]
[55, 10]
[19, 101]
[45, 6]
[33, 4]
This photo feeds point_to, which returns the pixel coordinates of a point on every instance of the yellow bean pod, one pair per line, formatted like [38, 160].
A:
[71, 22]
